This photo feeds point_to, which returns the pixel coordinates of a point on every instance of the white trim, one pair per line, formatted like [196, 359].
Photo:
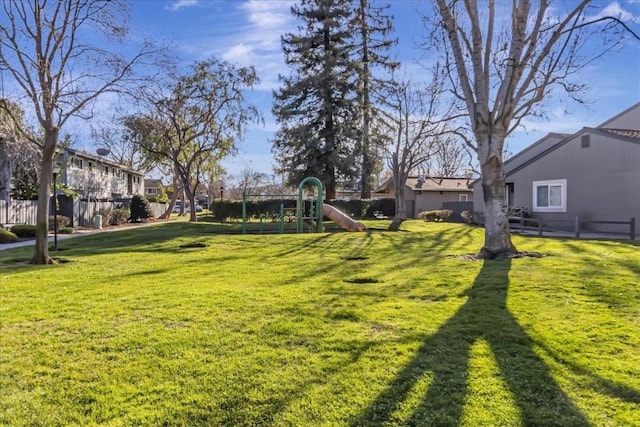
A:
[463, 197]
[560, 205]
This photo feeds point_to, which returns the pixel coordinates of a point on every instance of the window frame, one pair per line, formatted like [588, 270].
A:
[562, 183]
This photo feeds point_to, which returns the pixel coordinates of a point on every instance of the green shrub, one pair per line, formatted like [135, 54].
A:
[119, 216]
[63, 221]
[437, 215]
[7, 236]
[66, 230]
[140, 208]
[24, 230]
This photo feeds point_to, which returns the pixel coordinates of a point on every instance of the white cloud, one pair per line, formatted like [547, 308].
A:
[257, 42]
[614, 9]
[239, 53]
[182, 3]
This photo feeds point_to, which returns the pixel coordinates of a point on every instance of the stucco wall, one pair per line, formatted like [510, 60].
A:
[432, 200]
[603, 180]
[427, 200]
[95, 183]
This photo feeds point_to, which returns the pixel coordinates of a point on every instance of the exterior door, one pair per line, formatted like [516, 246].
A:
[410, 206]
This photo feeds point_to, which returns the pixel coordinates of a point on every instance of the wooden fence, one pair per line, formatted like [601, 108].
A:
[577, 227]
[18, 211]
[81, 212]
[458, 208]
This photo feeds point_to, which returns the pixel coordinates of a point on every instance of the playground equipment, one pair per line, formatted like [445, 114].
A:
[312, 216]
[342, 218]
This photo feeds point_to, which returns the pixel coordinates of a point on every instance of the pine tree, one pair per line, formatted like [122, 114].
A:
[372, 28]
[315, 106]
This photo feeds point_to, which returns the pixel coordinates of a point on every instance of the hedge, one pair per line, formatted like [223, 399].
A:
[354, 208]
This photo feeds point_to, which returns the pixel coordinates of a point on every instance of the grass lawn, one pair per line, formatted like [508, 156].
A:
[182, 324]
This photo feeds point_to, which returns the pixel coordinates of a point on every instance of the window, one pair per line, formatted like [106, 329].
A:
[550, 196]
[77, 163]
[585, 141]
[463, 198]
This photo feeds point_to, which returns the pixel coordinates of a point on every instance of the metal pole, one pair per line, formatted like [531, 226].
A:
[221, 204]
[55, 213]
[244, 213]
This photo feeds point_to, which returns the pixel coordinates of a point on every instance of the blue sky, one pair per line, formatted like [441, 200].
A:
[248, 33]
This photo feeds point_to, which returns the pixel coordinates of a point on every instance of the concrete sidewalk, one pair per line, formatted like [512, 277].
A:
[79, 233]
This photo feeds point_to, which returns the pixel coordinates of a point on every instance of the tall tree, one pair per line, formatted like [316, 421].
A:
[53, 51]
[372, 44]
[315, 107]
[504, 63]
[194, 119]
[418, 128]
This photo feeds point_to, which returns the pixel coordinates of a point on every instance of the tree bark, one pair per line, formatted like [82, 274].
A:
[497, 239]
[41, 247]
[401, 205]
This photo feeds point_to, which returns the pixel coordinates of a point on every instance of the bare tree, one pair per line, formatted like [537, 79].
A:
[418, 124]
[450, 159]
[249, 180]
[194, 119]
[61, 73]
[503, 63]
[121, 149]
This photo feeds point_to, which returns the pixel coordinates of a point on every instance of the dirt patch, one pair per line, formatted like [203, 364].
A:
[362, 280]
[193, 245]
[476, 257]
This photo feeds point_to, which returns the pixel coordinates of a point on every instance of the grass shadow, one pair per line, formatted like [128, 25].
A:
[446, 357]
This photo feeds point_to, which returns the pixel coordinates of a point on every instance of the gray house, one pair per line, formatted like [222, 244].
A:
[428, 193]
[593, 174]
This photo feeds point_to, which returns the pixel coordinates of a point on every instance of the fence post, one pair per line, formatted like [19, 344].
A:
[632, 229]
[539, 226]
[577, 227]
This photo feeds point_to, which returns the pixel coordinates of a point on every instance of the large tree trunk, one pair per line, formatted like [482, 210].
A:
[330, 185]
[191, 195]
[41, 248]
[401, 204]
[174, 197]
[497, 238]
[367, 169]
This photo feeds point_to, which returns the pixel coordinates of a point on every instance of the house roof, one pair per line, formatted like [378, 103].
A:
[416, 183]
[90, 156]
[627, 133]
[151, 182]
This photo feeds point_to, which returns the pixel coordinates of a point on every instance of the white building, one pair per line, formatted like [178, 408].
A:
[96, 178]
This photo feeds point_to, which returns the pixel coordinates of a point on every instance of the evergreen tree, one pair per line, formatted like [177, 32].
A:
[371, 27]
[315, 106]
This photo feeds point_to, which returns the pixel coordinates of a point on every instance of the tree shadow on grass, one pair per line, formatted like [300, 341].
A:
[446, 357]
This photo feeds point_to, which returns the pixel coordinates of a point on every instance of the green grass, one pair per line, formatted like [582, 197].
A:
[185, 324]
